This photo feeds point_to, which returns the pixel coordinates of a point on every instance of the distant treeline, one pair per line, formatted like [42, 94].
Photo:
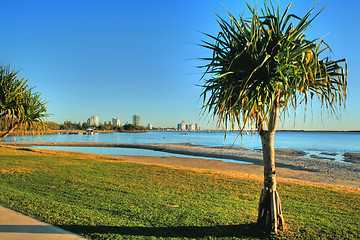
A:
[68, 125]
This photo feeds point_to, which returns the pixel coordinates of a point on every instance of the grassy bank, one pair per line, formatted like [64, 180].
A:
[104, 199]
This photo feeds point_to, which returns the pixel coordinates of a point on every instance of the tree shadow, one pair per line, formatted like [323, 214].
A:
[239, 231]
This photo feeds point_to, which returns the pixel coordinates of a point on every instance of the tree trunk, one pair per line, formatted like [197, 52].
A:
[270, 212]
[8, 131]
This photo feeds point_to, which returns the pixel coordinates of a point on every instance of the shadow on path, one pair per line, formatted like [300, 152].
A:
[240, 231]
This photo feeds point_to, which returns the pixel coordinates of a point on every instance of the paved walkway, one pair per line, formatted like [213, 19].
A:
[16, 226]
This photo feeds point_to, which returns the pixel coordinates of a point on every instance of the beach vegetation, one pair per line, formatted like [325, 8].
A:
[52, 125]
[20, 106]
[104, 197]
[261, 68]
[85, 125]
[69, 125]
[133, 127]
[106, 126]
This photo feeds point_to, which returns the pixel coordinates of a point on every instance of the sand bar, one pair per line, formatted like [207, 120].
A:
[289, 165]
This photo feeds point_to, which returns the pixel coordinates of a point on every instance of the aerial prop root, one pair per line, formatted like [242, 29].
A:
[270, 214]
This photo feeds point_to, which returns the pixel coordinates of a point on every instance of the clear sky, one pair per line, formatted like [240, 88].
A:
[114, 58]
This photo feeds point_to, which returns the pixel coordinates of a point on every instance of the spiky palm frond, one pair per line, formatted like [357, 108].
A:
[266, 63]
[12, 89]
[32, 112]
[19, 105]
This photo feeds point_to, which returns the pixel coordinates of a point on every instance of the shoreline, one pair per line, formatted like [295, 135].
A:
[289, 166]
[346, 157]
[326, 152]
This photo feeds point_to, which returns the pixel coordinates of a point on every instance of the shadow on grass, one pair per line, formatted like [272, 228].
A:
[240, 231]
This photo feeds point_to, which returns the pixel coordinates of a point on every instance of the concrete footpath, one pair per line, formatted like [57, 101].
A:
[16, 226]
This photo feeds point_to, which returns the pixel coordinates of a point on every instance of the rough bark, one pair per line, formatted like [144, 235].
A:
[270, 212]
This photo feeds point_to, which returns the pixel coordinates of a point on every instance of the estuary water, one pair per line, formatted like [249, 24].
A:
[322, 144]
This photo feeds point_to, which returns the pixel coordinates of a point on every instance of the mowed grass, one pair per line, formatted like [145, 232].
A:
[103, 199]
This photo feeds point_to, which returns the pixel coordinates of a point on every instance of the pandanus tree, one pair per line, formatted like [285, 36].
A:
[20, 106]
[260, 68]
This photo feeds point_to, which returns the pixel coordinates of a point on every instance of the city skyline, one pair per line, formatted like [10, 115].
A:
[109, 57]
[94, 120]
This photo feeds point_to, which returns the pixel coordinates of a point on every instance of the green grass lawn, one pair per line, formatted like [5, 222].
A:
[102, 199]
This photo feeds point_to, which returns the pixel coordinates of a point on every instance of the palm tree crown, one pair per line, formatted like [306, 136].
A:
[266, 63]
[19, 104]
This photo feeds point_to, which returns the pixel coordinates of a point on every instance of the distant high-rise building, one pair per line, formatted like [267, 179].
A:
[187, 127]
[136, 119]
[93, 121]
[116, 122]
[182, 126]
[150, 126]
[191, 127]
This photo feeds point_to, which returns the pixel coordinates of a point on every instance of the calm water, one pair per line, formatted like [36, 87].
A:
[129, 152]
[310, 142]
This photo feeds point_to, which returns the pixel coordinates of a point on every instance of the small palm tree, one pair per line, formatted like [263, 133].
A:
[19, 105]
[259, 69]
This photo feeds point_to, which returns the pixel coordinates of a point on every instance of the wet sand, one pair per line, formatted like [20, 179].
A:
[290, 166]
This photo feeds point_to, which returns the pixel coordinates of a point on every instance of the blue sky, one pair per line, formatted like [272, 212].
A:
[120, 58]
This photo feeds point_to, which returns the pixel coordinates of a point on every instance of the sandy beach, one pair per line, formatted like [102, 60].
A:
[290, 166]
